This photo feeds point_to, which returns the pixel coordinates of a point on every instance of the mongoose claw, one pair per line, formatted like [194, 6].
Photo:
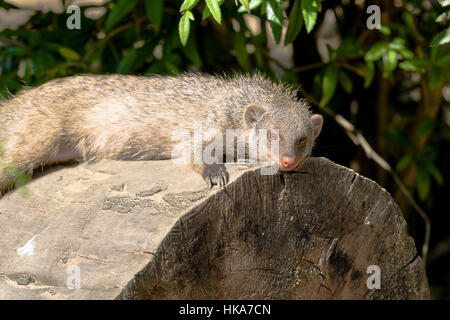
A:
[215, 174]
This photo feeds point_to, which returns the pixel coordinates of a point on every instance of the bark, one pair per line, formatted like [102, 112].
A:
[152, 230]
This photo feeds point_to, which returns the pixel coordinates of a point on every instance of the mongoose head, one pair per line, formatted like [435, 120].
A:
[297, 131]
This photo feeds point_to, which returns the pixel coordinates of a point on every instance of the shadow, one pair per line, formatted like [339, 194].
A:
[40, 172]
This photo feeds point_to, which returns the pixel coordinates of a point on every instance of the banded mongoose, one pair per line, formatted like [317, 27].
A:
[126, 117]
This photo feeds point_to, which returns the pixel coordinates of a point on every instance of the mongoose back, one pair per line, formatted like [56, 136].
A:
[91, 117]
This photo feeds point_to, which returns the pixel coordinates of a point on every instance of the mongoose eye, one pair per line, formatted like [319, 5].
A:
[302, 142]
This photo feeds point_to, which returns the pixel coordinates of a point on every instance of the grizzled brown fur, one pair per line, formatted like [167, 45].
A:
[91, 117]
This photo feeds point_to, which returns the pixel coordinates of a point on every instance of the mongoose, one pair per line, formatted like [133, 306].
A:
[126, 117]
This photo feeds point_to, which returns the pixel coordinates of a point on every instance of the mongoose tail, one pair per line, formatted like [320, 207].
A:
[92, 117]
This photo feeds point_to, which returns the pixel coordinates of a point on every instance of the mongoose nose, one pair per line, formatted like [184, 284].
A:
[287, 162]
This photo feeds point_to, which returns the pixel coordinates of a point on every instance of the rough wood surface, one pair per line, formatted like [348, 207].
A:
[152, 230]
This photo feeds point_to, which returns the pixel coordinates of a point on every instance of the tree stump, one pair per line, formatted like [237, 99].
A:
[153, 230]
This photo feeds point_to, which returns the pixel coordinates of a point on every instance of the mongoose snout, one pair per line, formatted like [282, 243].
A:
[288, 162]
[91, 117]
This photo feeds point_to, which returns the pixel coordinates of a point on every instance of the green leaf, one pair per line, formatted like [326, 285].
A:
[395, 45]
[15, 51]
[398, 44]
[437, 52]
[245, 4]
[406, 53]
[260, 60]
[241, 50]
[408, 18]
[61, 68]
[28, 72]
[398, 139]
[385, 30]
[345, 82]
[274, 14]
[291, 79]
[347, 47]
[404, 162]
[389, 63]
[413, 65]
[370, 74]
[309, 11]
[295, 23]
[190, 50]
[98, 53]
[42, 60]
[447, 77]
[399, 41]
[154, 9]
[331, 51]
[172, 68]
[319, 5]
[253, 4]
[425, 127]
[213, 6]
[156, 67]
[329, 83]
[444, 61]
[172, 42]
[189, 15]
[423, 183]
[441, 38]
[68, 53]
[434, 76]
[188, 5]
[118, 12]
[184, 26]
[126, 64]
[376, 51]
[262, 11]
[51, 46]
[434, 171]
[206, 13]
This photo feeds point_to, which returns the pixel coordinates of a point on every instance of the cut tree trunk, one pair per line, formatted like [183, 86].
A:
[153, 230]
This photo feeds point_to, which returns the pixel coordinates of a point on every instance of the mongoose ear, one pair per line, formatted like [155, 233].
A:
[317, 122]
[252, 114]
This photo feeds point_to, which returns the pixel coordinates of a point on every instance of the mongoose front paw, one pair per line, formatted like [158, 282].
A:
[215, 174]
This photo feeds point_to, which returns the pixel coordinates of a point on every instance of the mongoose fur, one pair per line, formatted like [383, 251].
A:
[126, 117]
